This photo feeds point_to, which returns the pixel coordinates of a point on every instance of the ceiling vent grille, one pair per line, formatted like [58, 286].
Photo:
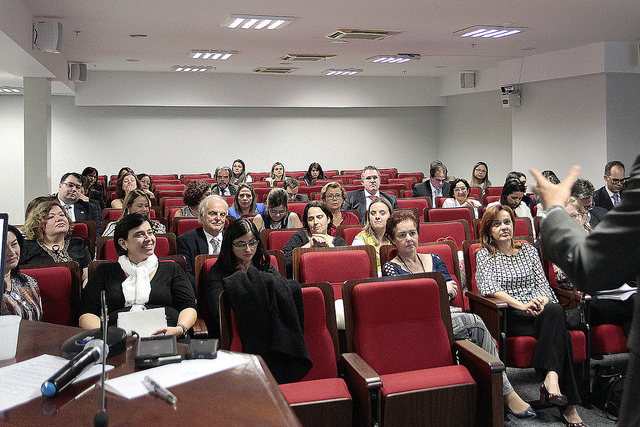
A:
[361, 34]
[293, 57]
[275, 70]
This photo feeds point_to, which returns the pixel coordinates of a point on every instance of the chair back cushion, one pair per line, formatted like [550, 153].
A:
[438, 231]
[55, 285]
[398, 326]
[80, 229]
[186, 224]
[471, 255]
[317, 336]
[444, 214]
[350, 233]
[162, 248]
[279, 238]
[334, 267]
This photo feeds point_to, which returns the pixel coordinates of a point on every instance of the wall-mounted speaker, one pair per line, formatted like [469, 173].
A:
[77, 72]
[47, 36]
[467, 80]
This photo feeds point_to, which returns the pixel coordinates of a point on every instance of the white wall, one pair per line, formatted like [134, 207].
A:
[12, 158]
[623, 117]
[475, 128]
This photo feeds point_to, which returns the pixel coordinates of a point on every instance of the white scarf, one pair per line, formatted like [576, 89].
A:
[137, 287]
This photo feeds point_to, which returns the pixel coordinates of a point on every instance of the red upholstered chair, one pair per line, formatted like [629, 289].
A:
[167, 203]
[406, 193]
[276, 239]
[518, 351]
[334, 265]
[321, 397]
[193, 177]
[401, 328]
[490, 198]
[165, 176]
[392, 172]
[493, 191]
[475, 192]
[259, 184]
[165, 245]
[421, 203]
[164, 181]
[419, 176]
[410, 182]
[182, 224]
[456, 230]
[168, 193]
[87, 231]
[523, 228]
[115, 214]
[389, 188]
[262, 193]
[441, 214]
[297, 207]
[170, 187]
[349, 232]
[60, 289]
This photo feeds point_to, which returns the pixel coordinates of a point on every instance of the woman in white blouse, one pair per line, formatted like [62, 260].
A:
[459, 196]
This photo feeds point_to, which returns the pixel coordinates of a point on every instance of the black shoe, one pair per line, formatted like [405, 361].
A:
[553, 398]
[527, 413]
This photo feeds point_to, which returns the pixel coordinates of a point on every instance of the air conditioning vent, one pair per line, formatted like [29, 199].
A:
[294, 57]
[275, 70]
[361, 34]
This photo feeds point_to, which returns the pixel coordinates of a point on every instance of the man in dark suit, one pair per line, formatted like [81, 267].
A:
[222, 187]
[583, 191]
[207, 239]
[291, 186]
[436, 185]
[69, 191]
[604, 259]
[361, 199]
[608, 196]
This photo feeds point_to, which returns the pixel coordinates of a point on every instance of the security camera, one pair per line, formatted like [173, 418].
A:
[507, 89]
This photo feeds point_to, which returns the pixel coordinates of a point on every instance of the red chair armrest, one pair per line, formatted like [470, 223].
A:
[364, 385]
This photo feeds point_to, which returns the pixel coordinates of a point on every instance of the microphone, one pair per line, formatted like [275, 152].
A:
[92, 353]
[101, 418]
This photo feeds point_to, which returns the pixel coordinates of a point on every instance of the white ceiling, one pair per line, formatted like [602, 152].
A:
[174, 27]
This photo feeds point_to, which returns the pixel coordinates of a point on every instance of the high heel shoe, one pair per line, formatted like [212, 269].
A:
[527, 413]
[552, 398]
[568, 424]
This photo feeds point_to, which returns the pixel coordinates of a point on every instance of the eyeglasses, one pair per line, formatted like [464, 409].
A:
[439, 180]
[481, 170]
[617, 181]
[241, 245]
[460, 190]
[72, 185]
[274, 212]
[244, 196]
[333, 196]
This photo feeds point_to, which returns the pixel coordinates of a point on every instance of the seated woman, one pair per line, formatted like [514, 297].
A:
[239, 173]
[124, 185]
[244, 203]
[277, 174]
[480, 176]
[374, 232]
[276, 215]
[459, 196]
[511, 271]
[145, 184]
[523, 179]
[403, 230]
[135, 202]
[334, 195]
[512, 194]
[48, 232]
[195, 192]
[317, 222]
[95, 190]
[123, 170]
[20, 295]
[314, 172]
[138, 282]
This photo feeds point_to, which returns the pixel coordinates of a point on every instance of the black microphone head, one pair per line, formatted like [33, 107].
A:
[101, 419]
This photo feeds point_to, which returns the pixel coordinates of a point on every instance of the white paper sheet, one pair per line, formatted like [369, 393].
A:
[131, 386]
[144, 322]
[21, 382]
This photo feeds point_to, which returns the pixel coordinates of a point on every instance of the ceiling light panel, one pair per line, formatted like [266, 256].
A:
[211, 54]
[7, 90]
[256, 22]
[190, 68]
[393, 59]
[345, 72]
[489, 31]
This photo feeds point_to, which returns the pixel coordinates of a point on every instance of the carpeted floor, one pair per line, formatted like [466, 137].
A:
[527, 385]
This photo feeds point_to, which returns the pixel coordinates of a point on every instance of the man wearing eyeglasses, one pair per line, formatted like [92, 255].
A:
[361, 199]
[436, 186]
[583, 191]
[69, 191]
[609, 195]
[205, 240]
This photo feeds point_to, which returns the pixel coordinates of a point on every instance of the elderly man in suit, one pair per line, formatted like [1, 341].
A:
[583, 191]
[608, 196]
[436, 186]
[212, 213]
[69, 191]
[604, 259]
[223, 187]
[361, 199]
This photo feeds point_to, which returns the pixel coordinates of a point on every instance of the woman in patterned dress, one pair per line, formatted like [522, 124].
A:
[21, 295]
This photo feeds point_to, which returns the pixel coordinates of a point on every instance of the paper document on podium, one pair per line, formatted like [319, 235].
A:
[144, 322]
[131, 386]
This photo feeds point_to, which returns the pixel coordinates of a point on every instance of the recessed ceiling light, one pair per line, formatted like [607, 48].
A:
[394, 59]
[489, 31]
[256, 22]
[190, 68]
[7, 90]
[345, 72]
[133, 60]
[212, 54]
[137, 36]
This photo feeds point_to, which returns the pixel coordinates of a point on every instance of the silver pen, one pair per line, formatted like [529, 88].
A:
[154, 387]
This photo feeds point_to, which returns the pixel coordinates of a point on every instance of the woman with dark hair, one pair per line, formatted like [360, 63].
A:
[374, 232]
[138, 282]
[244, 202]
[126, 183]
[459, 196]
[277, 215]
[239, 173]
[314, 172]
[511, 271]
[145, 184]
[334, 195]
[124, 170]
[317, 222]
[403, 230]
[20, 294]
[48, 232]
[95, 191]
[512, 194]
[136, 201]
[195, 192]
[480, 176]
[277, 174]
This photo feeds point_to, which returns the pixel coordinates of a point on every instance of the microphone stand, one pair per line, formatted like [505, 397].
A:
[101, 419]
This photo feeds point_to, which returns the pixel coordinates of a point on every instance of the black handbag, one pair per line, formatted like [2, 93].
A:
[607, 387]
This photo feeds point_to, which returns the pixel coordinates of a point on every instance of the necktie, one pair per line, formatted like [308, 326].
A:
[616, 199]
[69, 209]
[372, 197]
[215, 246]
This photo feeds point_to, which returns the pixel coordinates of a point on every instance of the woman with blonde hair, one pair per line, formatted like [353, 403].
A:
[136, 201]
[480, 176]
[374, 232]
[277, 174]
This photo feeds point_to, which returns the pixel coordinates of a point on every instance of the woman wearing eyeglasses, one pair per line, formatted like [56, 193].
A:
[241, 249]
[333, 196]
[480, 176]
[244, 203]
[459, 196]
[277, 215]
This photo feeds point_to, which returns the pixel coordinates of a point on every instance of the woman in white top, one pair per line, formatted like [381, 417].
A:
[373, 234]
[239, 173]
[480, 176]
[277, 174]
[459, 196]
[512, 194]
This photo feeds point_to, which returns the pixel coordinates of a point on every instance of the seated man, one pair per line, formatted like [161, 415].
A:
[583, 191]
[361, 199]
[69, 191]
[608, 196]
[207, 239]
[291, 186]
[222, 187]
[436, 186]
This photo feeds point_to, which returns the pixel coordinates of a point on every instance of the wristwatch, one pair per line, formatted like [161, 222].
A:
[185, 331]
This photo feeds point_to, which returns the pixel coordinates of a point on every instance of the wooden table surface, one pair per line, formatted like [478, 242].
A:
[245, 395]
